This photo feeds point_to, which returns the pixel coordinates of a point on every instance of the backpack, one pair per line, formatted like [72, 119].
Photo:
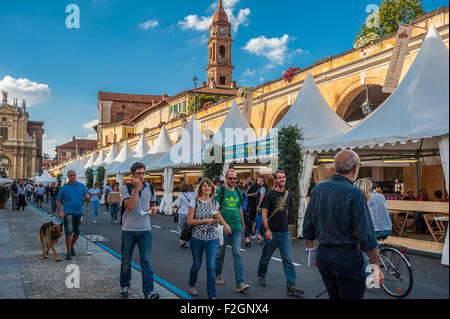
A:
[123, 208]
[222, 195]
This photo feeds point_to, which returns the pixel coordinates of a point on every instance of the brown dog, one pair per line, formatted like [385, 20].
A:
[50, 234]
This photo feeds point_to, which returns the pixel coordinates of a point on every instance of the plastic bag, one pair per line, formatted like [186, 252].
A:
[102, 200]
[219, 234]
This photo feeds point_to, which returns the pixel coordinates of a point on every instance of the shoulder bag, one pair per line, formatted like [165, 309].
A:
[186, 232]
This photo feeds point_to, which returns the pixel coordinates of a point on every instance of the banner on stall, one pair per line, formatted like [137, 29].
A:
[265, 147]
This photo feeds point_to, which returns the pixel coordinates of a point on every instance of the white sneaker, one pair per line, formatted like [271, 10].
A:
[95, 222]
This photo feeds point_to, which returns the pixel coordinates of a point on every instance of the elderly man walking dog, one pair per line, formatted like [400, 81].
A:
[73, 194]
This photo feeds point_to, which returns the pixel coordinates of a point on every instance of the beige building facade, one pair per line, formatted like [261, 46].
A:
[18, 149]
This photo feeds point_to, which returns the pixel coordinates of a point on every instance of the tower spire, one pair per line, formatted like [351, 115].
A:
[220, 4]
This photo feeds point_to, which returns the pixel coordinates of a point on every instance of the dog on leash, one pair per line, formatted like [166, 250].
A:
[50, 234]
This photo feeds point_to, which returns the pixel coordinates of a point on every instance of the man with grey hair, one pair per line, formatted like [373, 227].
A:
[338, 217]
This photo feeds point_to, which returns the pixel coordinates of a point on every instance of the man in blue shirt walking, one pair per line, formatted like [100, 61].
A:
[338, 217]
[73, 194]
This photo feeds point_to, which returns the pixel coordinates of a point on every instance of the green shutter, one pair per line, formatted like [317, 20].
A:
[184, 106]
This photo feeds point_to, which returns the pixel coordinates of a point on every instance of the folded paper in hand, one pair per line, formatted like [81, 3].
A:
[312, 257]
[143, 212]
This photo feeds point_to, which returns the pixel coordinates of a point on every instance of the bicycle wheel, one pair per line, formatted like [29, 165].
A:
[397, 271]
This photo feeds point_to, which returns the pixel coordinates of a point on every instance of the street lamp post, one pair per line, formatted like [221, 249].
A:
[195, 80]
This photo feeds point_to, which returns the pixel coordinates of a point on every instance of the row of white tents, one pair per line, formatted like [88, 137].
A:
[413, 119]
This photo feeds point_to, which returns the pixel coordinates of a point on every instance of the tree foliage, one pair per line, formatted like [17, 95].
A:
[385, 20]
[214, 169]
[46, 156]
[289, 161]
[201, 100]
[89, 174]
[59, 179]
[100, 176]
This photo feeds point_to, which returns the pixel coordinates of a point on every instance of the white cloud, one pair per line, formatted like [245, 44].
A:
[274, 49]
[195, 22]
[89, 125]
[92, 136]
[33, 92]
[150, 24]
[249, 72]
[49, 145]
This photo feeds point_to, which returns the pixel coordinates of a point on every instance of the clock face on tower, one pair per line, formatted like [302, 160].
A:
[223, 31]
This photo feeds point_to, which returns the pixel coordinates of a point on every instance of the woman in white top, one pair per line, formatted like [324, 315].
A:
[182, 202]
[378, 212]
[204, 215]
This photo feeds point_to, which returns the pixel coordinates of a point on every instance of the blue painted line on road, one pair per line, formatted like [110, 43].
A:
[159, 280]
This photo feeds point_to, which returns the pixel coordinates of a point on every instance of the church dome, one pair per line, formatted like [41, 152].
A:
[220, 14]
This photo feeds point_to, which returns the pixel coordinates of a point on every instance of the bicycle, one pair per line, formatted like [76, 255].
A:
[397, 270]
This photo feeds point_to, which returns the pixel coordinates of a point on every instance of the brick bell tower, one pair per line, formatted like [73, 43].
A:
[220, 69]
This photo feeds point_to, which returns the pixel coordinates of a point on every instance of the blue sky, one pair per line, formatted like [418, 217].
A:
[155, 47]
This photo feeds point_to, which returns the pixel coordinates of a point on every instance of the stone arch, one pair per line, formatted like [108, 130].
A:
[350, 92]
[278, 115]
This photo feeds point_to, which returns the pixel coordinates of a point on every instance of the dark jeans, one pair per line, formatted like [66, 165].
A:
[143, 239]
[282, 241]
[53, 201]
[210, 248]
[249, 218]
[342, 272]
[114, 211]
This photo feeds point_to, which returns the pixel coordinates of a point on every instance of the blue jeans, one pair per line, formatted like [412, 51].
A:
[210, 248]
[342, 272]
[114, 211]
[258, 221]
[235, 240]
[143, 239]
[378, 234]
[95, 205]
[53, 201]
[181, 222]
[282, 241]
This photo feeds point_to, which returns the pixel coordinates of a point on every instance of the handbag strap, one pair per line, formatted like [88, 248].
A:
[279, 206]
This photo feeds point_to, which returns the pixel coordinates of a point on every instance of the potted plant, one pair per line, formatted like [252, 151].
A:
[3, 196]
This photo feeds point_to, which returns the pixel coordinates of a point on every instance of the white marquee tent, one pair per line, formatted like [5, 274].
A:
[187, 152]
[45, 178]
[100, 158]
[138, 153]
[162, 146]
[414, 117]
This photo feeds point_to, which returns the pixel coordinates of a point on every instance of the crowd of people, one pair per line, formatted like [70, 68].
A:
[346, 216]
[22, 191]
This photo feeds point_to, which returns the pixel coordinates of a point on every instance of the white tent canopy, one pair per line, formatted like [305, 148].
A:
[187, 151]
[123, 155]
[45, 178]
[67, 168]
[418, 108]
[79, 169]
[235, 129]
[161, 147]
[100, 159]
[417, 111]
[111, 156]
[312, 114]
[91, 161]
[138, 153]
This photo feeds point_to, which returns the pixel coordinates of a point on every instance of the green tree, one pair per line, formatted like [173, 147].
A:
[100, 176]
[213, 169]
[89, 174]
[59, 179]
[389, 15]
[46, 156]
[201, 100]
[289, 161]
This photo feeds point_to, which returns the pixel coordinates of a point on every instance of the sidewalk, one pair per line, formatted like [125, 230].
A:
[25, 274]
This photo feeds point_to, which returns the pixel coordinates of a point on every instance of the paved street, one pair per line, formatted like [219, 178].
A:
[172, 264]
[25, 274]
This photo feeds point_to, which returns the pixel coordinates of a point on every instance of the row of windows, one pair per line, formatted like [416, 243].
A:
[176, 108]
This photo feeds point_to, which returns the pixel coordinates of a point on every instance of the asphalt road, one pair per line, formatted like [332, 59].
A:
[171, 263]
